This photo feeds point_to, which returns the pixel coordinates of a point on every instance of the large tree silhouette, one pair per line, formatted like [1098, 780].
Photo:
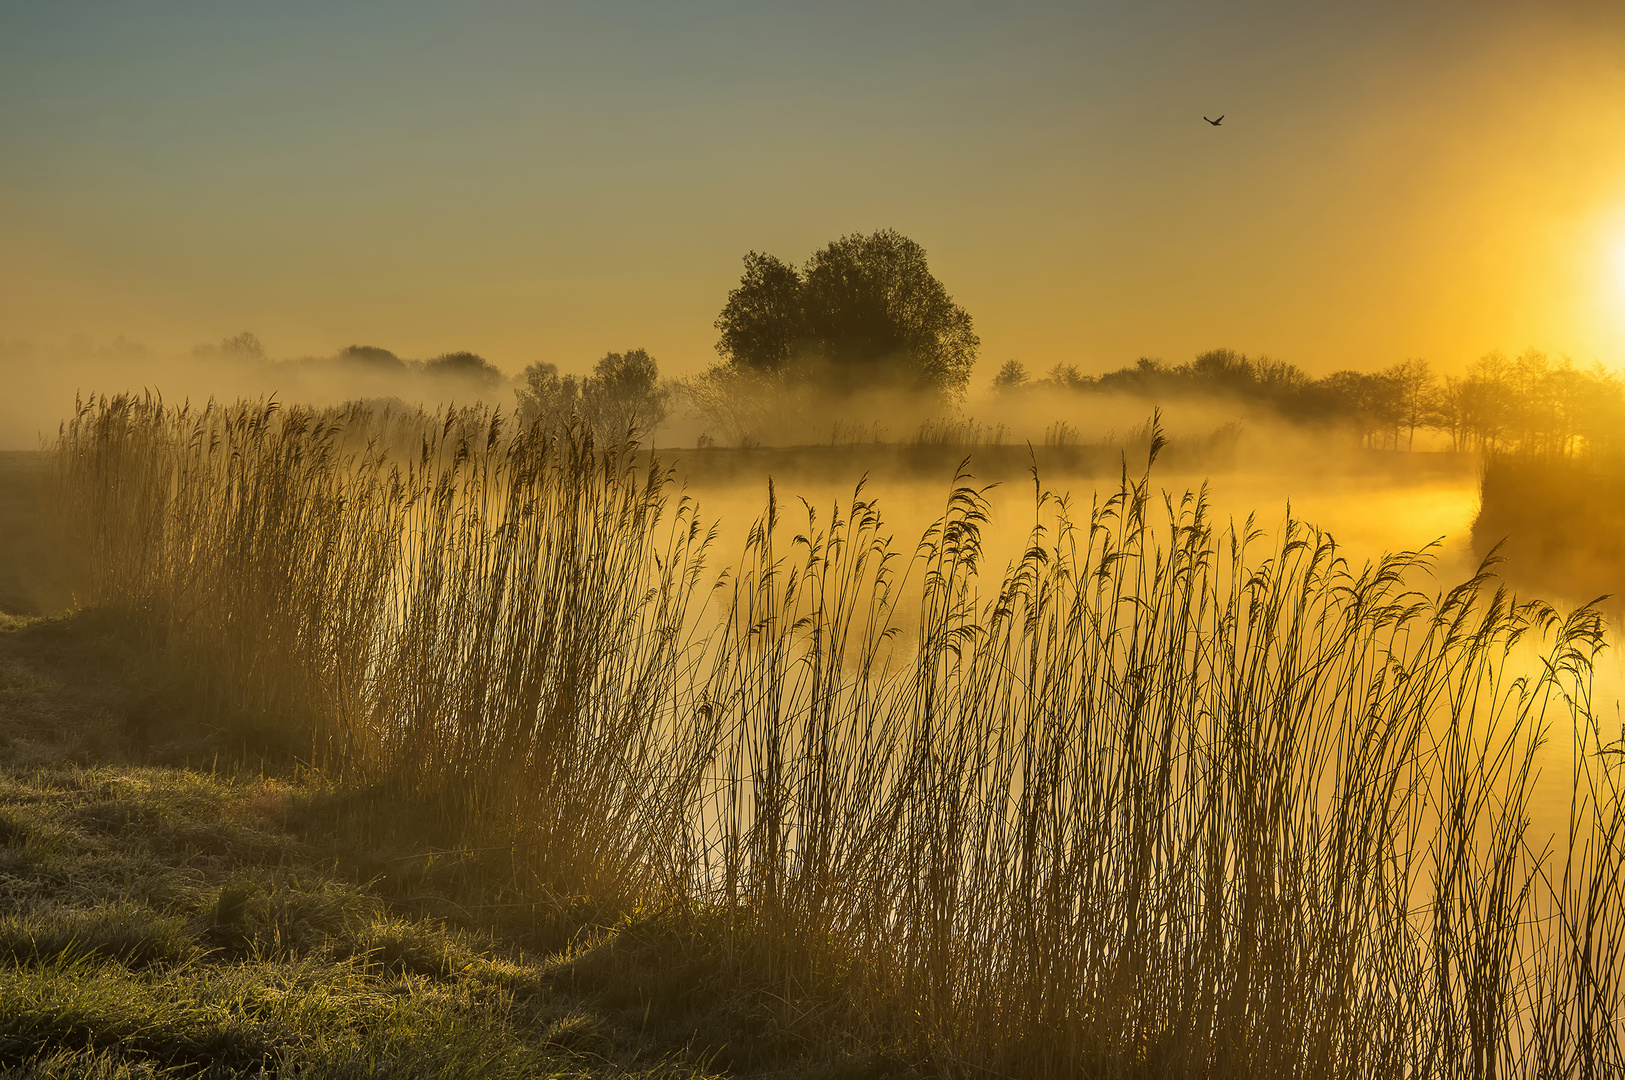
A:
[763, 324]
[865, 312]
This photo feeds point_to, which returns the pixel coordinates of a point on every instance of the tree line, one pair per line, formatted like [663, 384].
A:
[1529, 402]
[864, 316]
[469, 369]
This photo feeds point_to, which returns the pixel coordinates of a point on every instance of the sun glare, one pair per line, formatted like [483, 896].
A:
[1619, 273]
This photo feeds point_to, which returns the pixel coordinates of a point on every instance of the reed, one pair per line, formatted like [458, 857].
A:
[1155, 800]
[963, 432]
[1559, 519]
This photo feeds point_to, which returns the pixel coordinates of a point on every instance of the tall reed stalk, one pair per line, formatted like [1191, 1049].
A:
[1158, 799]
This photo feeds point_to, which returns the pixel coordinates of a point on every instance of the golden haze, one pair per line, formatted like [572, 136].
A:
[1438, 193]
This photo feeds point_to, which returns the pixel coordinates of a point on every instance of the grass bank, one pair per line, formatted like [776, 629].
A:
[1559, 521]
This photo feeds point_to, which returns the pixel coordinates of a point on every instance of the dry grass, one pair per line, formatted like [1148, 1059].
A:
[1154, 801]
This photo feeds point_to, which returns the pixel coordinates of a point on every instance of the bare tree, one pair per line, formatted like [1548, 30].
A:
[735, 402]
[1416, 393]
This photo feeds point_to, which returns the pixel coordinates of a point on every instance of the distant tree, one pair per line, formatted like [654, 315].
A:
[735, 402]
[1455, 413]
[544, 395]
[1572, 396]
[623, 395]
[243, 346]
[1066, 377]
[1367, 401]
[1012, 378]
[472, 367]
[1484, 401]
[877, 316]
[1532, 404]
[372, 356]
[1282, 383]
[864, 312]
[1222, 369]
[1416, 396]
[1147, 377]
[1599, 413]
[465, 364]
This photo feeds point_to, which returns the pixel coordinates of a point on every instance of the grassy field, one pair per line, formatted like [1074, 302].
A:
[1158, 800]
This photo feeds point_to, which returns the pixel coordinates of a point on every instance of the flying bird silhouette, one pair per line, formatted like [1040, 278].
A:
[1217, 122]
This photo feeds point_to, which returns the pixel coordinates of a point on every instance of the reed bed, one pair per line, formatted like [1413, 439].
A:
[1560, 519]
[1155, 800]
[963, 432]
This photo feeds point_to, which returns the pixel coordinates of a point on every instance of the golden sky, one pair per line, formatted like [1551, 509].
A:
[552, 181]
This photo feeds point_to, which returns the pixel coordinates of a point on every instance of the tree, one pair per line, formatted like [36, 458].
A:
[1600, 412]
[1066, 377]
[1484, 400]
[737, 402]
[762, 323]
[623, 395]
[543, 395]
[864, 312]
[1012, 378]
[1223, 369]
[372, 356]
[1417, 392]
[1371, 403]
[243, 346]
[1147, 377]
[876, 315]
[466, 365]
[1280, 382]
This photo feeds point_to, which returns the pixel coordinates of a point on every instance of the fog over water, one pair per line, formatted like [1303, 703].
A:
[1371, 501]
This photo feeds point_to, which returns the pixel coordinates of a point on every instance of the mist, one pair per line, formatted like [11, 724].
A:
[1256, 455]
[42, 381]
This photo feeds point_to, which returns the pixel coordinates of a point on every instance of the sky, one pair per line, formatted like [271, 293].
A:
[553, 181]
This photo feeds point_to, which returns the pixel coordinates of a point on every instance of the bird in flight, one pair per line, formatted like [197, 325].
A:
[1217, 122]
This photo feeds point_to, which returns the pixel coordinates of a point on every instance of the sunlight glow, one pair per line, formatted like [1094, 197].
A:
[1619, 274]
